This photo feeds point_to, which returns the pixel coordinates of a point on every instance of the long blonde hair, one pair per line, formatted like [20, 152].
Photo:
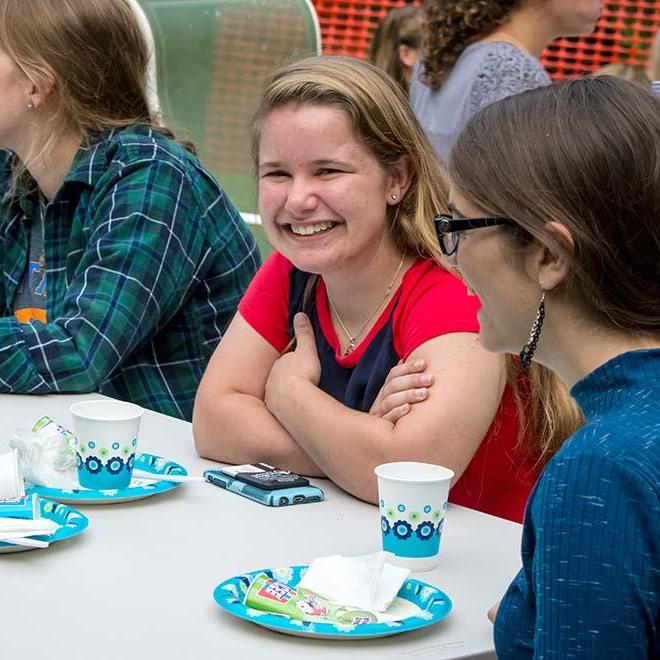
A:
[91, 54]
[382, 121]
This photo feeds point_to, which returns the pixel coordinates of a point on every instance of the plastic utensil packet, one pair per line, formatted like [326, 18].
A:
[268, 595]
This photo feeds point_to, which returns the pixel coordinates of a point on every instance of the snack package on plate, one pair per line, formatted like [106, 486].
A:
[269, 595]
[47, 454]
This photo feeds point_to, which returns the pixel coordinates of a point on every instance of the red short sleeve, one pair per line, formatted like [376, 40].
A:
[265, 304]
[434, 302]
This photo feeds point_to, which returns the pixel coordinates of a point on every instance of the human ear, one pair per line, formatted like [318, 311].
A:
[400, 178]
[408, 56]
[549, 262]
[39, 93]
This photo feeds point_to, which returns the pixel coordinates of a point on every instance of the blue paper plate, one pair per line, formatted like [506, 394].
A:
[433, 605]
[137, 489]
[72, 523]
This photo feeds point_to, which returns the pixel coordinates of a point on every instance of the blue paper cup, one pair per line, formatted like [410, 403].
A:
[106, 441]
[413, 502]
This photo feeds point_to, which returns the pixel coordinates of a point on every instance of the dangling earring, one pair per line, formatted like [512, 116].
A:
[527, 352]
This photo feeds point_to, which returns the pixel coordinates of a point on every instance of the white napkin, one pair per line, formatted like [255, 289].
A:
[15, 528]
[367, 582]
[46, 460]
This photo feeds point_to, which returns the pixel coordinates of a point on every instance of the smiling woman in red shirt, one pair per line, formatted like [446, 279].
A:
[348, 187]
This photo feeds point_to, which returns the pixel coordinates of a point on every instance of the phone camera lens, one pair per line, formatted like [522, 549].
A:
[284, 501]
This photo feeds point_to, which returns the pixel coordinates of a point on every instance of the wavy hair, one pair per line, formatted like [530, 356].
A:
[451, 26]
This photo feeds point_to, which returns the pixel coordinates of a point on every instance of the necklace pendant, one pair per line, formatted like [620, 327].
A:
[350, 347]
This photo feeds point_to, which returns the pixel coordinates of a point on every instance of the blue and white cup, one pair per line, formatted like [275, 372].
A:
[413, 502]
[106, 441]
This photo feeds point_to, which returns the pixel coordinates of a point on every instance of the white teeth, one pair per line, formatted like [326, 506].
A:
[308, 230]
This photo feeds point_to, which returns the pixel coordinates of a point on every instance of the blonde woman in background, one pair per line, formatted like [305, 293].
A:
[396, 44]
[348, 187]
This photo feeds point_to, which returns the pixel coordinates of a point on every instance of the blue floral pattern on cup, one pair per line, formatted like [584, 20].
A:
[102, 469]
[402, 529]
[407, 533]
[385, 525]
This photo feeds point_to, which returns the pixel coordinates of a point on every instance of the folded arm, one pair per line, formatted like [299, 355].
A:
[447, 428]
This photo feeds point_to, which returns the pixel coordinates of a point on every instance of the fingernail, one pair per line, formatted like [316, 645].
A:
[426, 378]
[421, 393]
[418, 364]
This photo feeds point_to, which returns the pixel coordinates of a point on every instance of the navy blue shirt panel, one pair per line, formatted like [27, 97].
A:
[355, 387]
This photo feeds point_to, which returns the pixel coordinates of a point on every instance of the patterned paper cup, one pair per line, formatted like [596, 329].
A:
[413, 502]
[106, 440]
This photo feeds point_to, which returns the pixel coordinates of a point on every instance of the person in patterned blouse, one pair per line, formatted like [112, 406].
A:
[122, 260]
[476, 52]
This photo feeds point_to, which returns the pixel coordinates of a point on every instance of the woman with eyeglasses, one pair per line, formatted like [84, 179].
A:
[478, 51]
[562, 246]
[348, 186]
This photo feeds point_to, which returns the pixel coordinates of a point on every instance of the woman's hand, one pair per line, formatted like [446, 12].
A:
[300, 364]
[406, 384]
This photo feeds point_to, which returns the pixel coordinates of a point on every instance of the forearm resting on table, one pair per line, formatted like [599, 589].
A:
[237, 428]
[348, 444]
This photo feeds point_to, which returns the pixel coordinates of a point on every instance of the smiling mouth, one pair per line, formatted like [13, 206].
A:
[310, 230]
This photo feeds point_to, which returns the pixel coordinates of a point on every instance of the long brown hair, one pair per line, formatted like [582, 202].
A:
[451, 26]
[91, 53]
[585, 153]
[402, 26]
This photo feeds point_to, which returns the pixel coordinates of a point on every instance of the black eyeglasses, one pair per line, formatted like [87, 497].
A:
[450, 230]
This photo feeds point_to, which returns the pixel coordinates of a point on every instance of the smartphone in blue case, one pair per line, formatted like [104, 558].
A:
[272, 497]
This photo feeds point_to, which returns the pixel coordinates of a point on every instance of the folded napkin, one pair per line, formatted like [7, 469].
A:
[367, 582]
[15, 528]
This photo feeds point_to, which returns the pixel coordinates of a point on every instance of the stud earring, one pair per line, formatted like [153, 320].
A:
[528, 350]
[30, 104]
[393, 196]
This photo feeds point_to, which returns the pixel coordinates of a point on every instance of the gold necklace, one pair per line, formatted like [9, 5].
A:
[352, 339]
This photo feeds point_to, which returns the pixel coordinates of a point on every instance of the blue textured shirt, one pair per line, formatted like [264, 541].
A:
[590, 582]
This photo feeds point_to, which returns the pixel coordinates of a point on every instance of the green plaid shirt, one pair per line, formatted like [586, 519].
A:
[146, 260]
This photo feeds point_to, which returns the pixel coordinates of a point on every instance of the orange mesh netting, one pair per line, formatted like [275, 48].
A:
[624, 32]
